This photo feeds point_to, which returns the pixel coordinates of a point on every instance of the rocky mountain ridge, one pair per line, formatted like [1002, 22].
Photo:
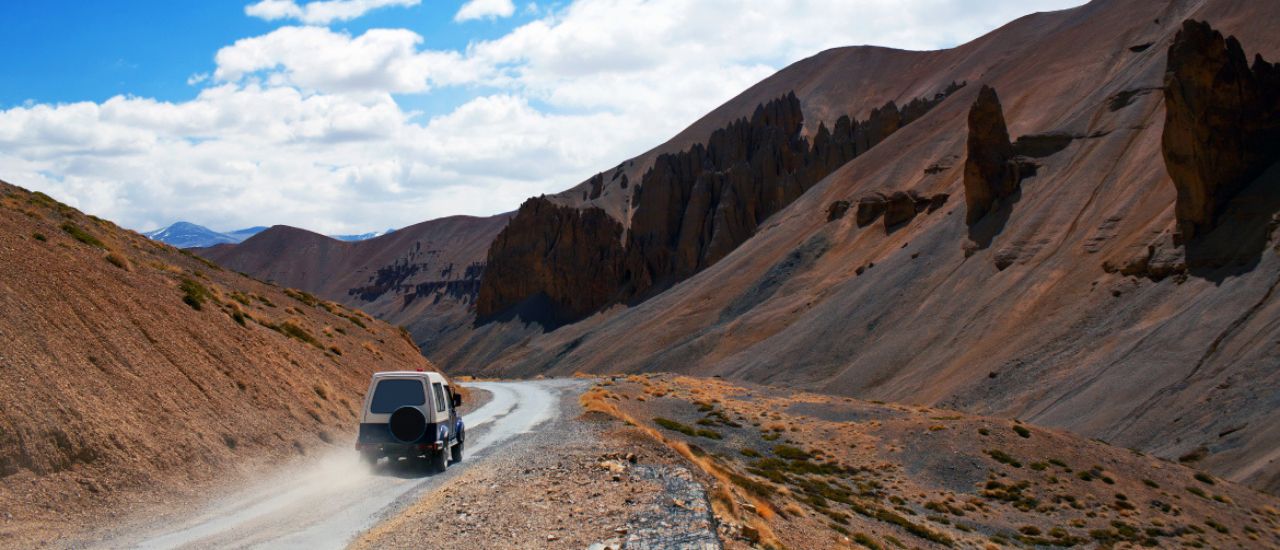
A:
[692, 208]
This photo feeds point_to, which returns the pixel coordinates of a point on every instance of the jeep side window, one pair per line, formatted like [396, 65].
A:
[439, 397]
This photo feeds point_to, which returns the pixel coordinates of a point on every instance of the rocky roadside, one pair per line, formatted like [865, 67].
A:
[580, 481]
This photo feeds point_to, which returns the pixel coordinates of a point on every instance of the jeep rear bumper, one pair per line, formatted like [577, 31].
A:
[398, 449]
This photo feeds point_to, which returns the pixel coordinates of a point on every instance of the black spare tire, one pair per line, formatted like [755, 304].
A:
[407, 424]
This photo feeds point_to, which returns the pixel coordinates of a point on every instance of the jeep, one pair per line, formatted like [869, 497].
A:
[411, 415]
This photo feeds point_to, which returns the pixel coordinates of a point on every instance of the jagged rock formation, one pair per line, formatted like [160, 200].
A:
[992, 170]
[569, 256]
[696, 206]
[692, 208]
[1222, 122]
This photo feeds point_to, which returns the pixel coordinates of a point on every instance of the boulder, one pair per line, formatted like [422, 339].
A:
[1222, 123]
[901, 208]
[837, 210]
[870, 207]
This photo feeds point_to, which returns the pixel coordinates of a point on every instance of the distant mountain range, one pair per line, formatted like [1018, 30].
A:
[190, 235]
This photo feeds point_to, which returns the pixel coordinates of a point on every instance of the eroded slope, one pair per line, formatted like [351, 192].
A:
[133, 374]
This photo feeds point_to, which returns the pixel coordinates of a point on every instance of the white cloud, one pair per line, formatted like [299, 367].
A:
[300, 125]
[480, 9]
[320, 12]
[316, 58]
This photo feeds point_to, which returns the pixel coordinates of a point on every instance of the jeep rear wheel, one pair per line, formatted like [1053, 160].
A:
[456, 452]
[439, 460]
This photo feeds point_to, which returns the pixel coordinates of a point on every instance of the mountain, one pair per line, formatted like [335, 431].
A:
[362, 236]
[133, 372]
[424, 276]
[1058, 221]
[190, 235]
[241, 234]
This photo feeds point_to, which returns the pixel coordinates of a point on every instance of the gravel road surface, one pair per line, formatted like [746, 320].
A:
[330, 501]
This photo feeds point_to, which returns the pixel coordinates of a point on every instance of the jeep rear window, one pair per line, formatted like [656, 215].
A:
[393, 394]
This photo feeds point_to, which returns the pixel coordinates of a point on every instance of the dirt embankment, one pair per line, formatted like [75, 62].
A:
[576, 481]
[810, 471]
[134, 375]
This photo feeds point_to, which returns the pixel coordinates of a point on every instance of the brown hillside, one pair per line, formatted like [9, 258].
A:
[1064, 305]
[132, 373]
[423, 277]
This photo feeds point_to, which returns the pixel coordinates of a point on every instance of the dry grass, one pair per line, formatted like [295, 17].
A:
[816, 482]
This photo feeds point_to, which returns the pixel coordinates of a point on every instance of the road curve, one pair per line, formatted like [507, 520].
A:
[331, 501]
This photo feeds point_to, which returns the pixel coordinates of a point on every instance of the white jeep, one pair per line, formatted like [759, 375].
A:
[412, 415]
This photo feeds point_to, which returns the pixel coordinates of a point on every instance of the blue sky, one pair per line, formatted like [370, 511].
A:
[348, 116]
[149, 48]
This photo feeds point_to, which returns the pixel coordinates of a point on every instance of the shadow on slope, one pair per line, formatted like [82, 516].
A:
[1235, 246]
[985, 230]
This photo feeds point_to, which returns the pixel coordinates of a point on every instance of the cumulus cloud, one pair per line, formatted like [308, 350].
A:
[479, 9]
[302, 125]
[320, 12]
[316, 58]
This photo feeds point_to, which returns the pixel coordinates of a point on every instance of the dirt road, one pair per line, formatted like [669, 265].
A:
[328, 503]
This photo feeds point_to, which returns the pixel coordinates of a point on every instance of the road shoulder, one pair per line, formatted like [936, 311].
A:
[576, 481]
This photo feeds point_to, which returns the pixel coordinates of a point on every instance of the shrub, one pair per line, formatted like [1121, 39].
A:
[865, 540]
[119, 261]
[1003, 458]
[1204, 478]
[194, 294]
[39, 237]
[1151, 484]
[674, 426]
[335, 350]
[81, 235]
[292, 330]
[301, 296]
[709, 434]
[791, 453]
[238, 316]
[1022, 431]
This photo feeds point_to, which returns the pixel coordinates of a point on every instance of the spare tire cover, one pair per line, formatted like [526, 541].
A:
[407, 424]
